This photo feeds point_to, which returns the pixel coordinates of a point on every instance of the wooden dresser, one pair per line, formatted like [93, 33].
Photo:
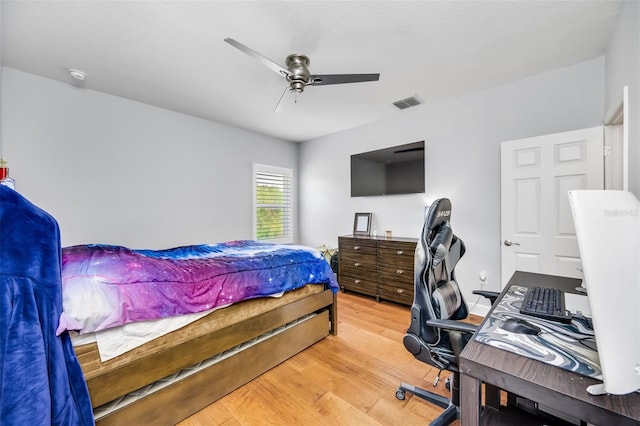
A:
[377, 266]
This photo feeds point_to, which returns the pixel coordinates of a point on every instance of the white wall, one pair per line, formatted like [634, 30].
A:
[112, 170]
[462, 138]
[623, 69]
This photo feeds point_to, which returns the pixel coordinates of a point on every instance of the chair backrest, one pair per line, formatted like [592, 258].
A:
[436, 292]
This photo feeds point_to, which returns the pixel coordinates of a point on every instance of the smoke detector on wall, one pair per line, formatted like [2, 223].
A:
[77, 74]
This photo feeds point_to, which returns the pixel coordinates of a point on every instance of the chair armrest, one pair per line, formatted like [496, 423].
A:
[491, 295]
[453, 325]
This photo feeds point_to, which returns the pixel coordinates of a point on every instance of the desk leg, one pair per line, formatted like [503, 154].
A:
[470, 403]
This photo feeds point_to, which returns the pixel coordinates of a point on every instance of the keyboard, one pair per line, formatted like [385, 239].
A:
[547, 303]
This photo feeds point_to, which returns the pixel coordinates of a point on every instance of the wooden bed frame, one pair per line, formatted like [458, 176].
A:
[172, 377]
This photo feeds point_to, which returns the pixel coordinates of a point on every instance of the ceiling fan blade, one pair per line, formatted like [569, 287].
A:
[266, 61]
[321, 80]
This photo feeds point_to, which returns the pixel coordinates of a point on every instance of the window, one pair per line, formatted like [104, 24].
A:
[273, 204]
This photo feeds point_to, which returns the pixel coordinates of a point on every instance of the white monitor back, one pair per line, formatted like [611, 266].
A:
[608, 232]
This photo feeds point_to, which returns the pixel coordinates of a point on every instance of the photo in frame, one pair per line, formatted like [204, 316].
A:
[362, 224]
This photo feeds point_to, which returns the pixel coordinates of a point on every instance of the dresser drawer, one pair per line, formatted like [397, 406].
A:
[359, 285]
[358, 260]
[355, 245]
[395, 294]
[396, 274]
[407, 248]
[358, 272]
[404, 286]
[399, 254]
[395, 258]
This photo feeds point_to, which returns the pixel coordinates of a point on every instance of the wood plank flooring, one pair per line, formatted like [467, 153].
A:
[348, 379]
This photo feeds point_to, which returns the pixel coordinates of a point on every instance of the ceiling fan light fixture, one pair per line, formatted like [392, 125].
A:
[296, 86]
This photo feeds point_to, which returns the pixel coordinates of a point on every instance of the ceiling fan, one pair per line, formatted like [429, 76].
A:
[297, 72]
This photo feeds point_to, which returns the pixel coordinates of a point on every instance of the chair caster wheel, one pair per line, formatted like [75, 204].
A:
[400, 394]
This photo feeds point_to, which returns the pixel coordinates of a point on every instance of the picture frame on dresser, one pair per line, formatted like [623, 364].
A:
[362, 224]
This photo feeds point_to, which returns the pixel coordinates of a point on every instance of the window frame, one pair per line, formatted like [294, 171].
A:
[262, 168]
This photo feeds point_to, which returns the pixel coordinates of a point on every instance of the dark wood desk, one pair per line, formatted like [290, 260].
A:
[550, 386]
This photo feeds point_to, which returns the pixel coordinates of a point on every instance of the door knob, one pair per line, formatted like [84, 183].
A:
[510, 243]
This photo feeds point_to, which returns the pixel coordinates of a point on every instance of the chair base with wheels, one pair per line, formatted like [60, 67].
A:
[451, 412]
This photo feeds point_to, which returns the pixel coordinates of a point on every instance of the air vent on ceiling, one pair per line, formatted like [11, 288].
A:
[408, 102]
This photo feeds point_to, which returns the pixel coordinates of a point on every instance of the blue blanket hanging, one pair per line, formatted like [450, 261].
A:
[41, 382]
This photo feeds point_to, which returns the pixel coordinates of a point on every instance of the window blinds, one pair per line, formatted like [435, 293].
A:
[273, 205]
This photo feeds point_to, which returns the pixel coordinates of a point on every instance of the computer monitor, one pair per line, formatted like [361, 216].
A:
[607, 227]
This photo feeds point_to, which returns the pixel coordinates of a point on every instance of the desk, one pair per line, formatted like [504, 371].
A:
[550, 386]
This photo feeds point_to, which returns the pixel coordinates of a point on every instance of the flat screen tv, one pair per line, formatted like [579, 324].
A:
[395, 170]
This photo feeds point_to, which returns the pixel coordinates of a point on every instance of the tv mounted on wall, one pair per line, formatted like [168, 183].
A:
[395, 170]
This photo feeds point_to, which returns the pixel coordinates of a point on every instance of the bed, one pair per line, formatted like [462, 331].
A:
[270, 302]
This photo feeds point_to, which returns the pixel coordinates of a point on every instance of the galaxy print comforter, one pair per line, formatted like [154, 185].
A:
[105, 286]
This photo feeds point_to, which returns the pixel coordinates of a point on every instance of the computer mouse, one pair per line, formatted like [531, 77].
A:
[518, 325]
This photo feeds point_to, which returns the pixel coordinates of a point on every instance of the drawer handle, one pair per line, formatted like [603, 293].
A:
[356, 264]
[356, 248]
[399, 272]
[356, 281]
[400, 290]
[399, 252]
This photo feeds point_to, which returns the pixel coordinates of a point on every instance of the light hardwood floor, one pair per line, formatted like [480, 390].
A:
[348, 379]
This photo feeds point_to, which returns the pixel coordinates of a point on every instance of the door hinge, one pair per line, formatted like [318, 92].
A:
[606, 150]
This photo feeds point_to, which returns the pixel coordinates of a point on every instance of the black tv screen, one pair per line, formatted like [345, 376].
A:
[389, 171]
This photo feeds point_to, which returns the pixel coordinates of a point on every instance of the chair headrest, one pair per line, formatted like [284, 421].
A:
[439, 212]
[437, 232]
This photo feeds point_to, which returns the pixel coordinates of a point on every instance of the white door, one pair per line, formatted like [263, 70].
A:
[537, 227]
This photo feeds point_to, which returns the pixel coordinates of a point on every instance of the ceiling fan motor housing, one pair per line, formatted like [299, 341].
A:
[299, 78]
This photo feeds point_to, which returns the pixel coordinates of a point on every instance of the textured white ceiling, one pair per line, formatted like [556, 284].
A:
[171, 53]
